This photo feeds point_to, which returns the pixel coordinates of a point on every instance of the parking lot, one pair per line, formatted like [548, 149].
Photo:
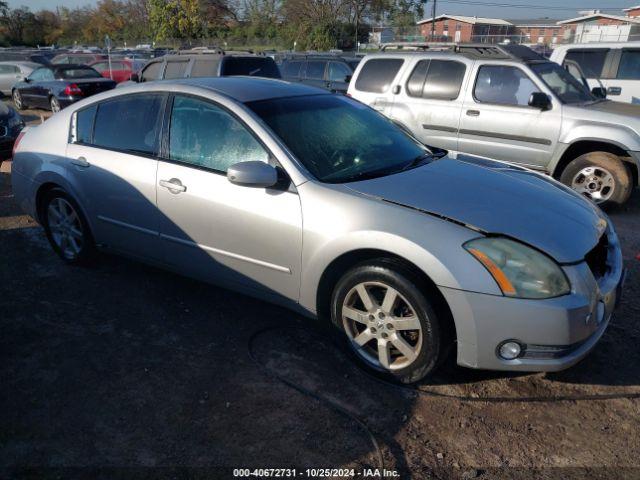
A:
[120, 365]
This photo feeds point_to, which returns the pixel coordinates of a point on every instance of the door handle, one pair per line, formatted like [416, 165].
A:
[81, 162]
[473, 113]
[174, 185]
[614, 90]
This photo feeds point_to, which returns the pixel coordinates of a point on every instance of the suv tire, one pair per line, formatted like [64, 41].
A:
[411, 321]
[600, 176]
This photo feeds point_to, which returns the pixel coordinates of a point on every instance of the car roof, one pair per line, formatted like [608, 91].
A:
[594, 45]
[516, 53]
[250, 89]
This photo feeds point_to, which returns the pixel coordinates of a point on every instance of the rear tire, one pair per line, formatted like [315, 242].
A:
[600, 176]
[386, 320]
[54, 105]
[17, 100]
[66, 228]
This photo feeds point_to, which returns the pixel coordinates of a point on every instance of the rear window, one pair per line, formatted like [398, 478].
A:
[251, 66]
[79, 73]
[129, 124]
[84, 125]
[591, 61]
[377, 74]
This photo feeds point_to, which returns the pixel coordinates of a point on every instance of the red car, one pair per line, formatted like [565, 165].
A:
[121, 69]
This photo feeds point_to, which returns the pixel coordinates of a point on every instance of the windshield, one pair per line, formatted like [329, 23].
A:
[338, 139]
[79, 73]
[563, 84]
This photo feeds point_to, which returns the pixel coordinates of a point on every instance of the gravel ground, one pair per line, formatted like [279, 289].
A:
[122, 370]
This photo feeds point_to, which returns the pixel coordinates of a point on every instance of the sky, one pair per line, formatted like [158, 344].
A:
[547, 8]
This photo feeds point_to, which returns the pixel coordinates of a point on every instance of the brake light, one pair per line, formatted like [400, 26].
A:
[72, 89]
[15, 144]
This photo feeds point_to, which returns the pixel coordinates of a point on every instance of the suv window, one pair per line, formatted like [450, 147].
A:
[315, 70]
[292, 69]
[377, 74]
[130, 123]
[437, 79]
[629, 68]
[503, 85]
[176, 69]
[151, 72]
[252, 66]
[205, 68]
[205, 135]
[338, 72]
[591, 61]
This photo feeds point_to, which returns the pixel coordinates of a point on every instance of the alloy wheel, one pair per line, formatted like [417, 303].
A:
[382, 325]
[55, 105]
[66, 228]
[17, 99]
[595, 183]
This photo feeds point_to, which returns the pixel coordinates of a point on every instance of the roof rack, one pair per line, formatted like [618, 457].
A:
[513, 52]
[415, 46]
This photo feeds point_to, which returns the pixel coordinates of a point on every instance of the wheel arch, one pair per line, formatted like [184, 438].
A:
[52, 184]
[343, 263]
[582, 147]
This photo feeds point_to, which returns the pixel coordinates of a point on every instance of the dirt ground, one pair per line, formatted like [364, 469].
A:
[125, 371]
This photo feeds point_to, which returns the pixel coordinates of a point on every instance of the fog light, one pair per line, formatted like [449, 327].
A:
[509, 350]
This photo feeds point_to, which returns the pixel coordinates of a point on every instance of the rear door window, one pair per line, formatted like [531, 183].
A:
[315, 70]
[377, 74]
[129, 124]
[629, 68]
[591, 61]
[84, 125]
[436, 79]
[338, 72]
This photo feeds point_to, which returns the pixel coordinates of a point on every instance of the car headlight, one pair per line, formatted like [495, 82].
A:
[519, 270]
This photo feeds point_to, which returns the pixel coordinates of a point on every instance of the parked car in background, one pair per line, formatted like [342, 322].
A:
[614, 66]
[194, 65]
[14, 72]
[509, 103]
[314, 201]
[119, 71]
[58, 86]
[42, 57]
[331, 72]
[77, 58]
[11, 124]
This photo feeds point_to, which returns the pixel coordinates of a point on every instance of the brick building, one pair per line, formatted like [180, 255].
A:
[633, 11]
[457, 28]
[541, 30]
[597, 26]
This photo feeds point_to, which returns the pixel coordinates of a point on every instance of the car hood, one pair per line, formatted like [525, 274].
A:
[607, 111]
[497, 198]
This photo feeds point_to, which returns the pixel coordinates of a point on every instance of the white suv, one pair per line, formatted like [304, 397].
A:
[614, 66]
[508, 103]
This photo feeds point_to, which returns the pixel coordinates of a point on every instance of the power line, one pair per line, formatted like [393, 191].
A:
[520, 5]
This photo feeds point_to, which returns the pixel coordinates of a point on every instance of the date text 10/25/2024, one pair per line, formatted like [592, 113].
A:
[314, 473]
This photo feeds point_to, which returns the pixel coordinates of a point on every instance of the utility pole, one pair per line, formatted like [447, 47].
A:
[433, 20]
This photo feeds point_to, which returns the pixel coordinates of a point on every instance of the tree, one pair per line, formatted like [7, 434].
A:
[175, 19]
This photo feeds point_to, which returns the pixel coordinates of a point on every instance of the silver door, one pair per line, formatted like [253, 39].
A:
[116, 187]
[431, 101]
[213, 229]
[9, 76]
[496, 121]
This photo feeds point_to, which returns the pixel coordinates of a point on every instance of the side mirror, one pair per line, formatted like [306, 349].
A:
[599, 92]
[252, 174]
[348, 78]
[540, 100]
[135, 77]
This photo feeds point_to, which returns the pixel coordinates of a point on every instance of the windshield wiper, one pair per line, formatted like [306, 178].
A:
[421, 159]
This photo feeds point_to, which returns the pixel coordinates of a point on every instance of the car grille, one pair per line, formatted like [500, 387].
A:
[597, 257]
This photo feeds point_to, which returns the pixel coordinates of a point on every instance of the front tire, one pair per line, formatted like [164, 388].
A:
[66, 228]
[601, 177]
[387, 321]
[17, 100]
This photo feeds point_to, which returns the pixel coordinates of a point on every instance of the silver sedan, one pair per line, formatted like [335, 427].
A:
[317, 202]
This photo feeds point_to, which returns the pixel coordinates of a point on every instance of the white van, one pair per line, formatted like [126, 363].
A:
[614, 66]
